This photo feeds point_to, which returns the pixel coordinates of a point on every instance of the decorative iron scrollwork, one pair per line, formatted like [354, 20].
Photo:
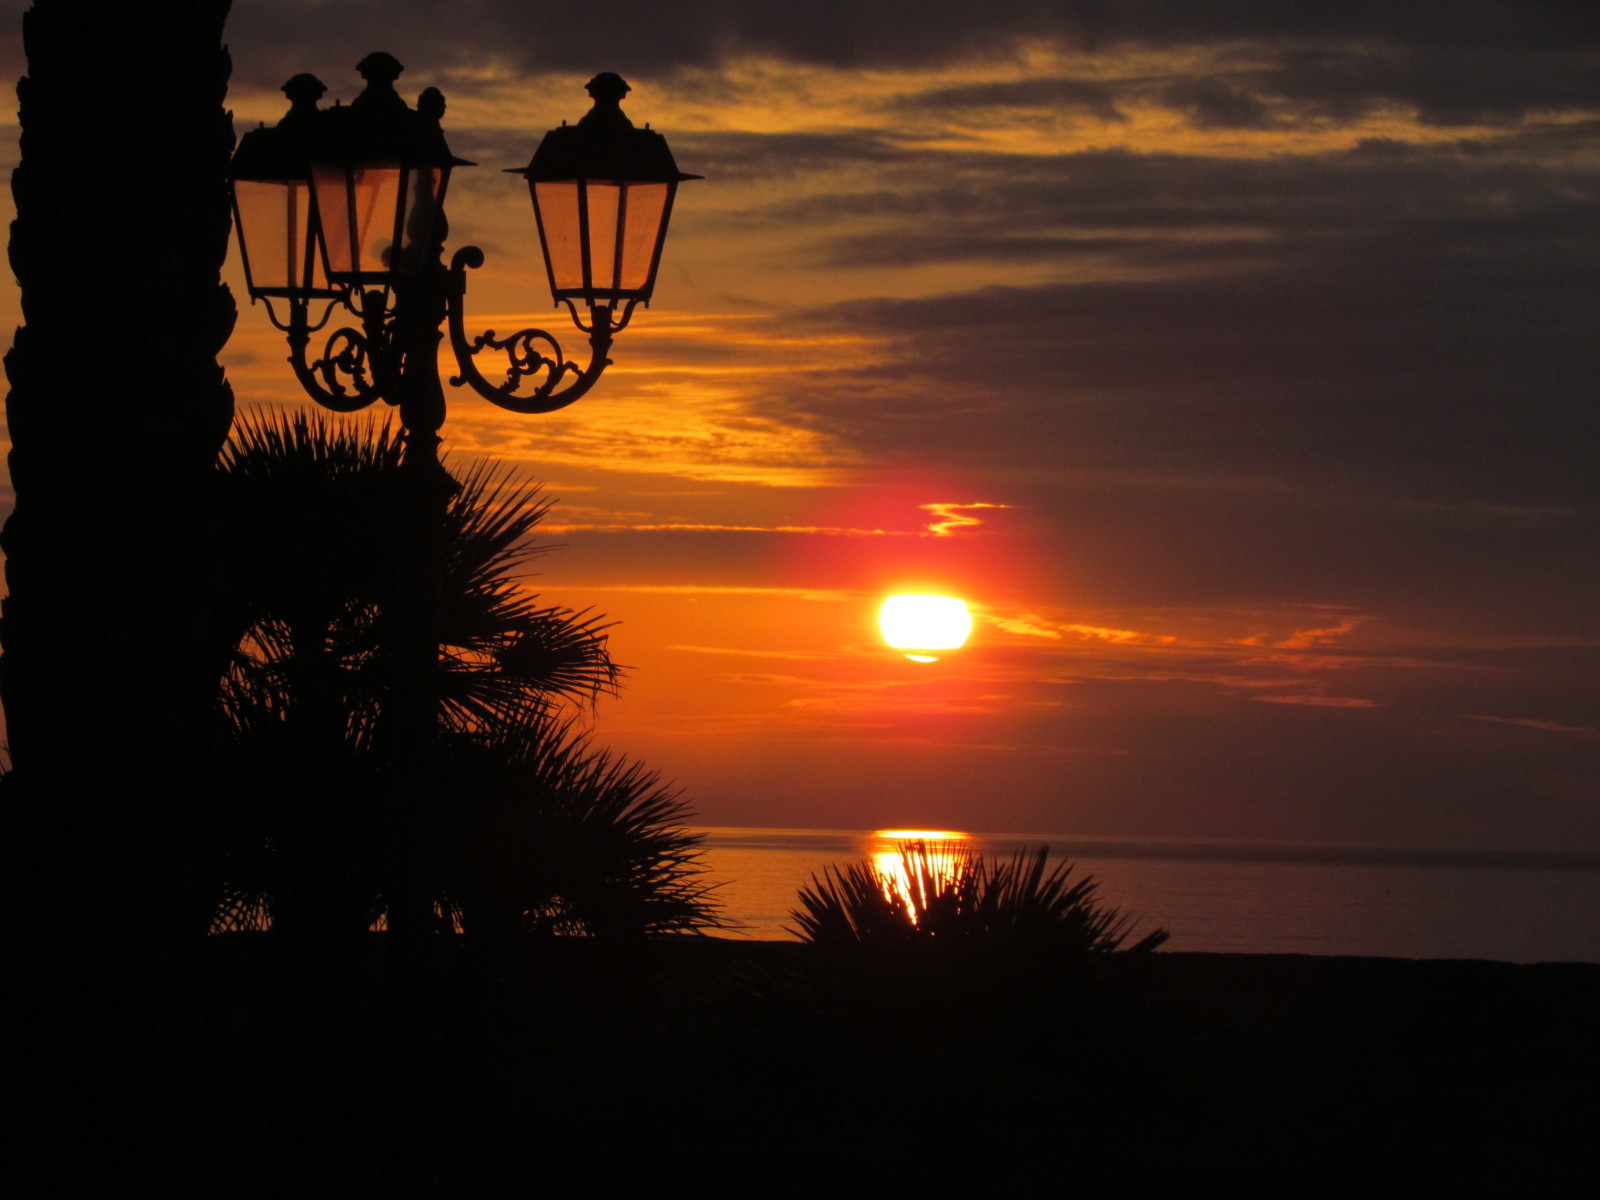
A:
[527, 358]
[524, 359]
[346, 355]
[343, 378]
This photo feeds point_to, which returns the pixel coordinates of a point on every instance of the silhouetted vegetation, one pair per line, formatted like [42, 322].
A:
[1016, 904]
[317, 560]
[116, 409]
[115, 413]
[958, 989]
[555, 836]
[527, 827]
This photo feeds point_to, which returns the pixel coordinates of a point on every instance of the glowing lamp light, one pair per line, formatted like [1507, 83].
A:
[924, 623]
[379, 170]
[602, 196]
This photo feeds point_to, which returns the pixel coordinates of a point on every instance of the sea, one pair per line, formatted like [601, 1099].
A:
[1230, 896]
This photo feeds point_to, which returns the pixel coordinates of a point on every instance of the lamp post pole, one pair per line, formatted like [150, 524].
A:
[343, 209]
[416, 627]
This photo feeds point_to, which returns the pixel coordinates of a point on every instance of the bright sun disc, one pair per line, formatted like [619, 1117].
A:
[913, 622]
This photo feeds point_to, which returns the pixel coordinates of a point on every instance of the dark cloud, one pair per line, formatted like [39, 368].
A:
[1070, 95]
[274, 38]
[633, 35]
[1443, 85]
[999, 249]
[1428, 371]
[1212, 104]
[1377, 388]
[1451, 61]
[736, 156]
[1377, 186]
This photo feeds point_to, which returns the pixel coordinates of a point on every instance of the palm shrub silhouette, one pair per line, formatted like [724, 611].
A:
[317, 556]
[556, 836]
[310, 578]
[1016, 904]
[936, 973]
[982, 1003]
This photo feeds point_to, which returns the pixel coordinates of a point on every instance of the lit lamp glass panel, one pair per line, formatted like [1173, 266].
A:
[623, 226]
[275, 232]
[605, 222]
[641, 234]
[556, 207]
[357, 204]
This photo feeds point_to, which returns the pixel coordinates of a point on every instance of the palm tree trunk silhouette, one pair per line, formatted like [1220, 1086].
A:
[117, 409]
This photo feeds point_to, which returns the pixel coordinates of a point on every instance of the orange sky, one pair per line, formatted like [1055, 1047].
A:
[1234, 376]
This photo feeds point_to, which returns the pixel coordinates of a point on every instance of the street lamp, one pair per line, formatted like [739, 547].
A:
[342, 210]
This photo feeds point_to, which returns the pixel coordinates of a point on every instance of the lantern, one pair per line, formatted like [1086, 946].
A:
[379, 171]
[273, 206]
[602, 196]
[346, 205]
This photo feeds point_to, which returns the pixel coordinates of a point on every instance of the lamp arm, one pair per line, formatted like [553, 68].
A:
[529, 352]
[349, 376]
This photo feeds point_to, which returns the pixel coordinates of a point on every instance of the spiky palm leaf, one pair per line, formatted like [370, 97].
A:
[1021, 902]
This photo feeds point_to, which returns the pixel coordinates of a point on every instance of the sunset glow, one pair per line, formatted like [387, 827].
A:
[934, 599]
[1233, 364]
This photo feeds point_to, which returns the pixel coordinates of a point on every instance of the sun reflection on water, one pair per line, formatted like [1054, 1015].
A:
[898, 854]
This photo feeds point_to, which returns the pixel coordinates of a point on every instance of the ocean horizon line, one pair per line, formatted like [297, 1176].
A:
[1111, 846]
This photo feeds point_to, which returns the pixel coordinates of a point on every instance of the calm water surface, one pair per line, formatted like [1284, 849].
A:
[1244, 897]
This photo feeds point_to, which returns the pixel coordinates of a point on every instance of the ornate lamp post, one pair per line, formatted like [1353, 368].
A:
[342, 210]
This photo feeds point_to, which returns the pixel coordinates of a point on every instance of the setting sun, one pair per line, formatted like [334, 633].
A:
[916, 622]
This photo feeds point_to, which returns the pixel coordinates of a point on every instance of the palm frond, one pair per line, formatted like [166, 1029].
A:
[241, 912]
[320, 556]
[570, 838]
[487, 526]
[850, 904]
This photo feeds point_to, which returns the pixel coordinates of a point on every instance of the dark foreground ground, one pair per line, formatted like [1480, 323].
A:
[767, 1069]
